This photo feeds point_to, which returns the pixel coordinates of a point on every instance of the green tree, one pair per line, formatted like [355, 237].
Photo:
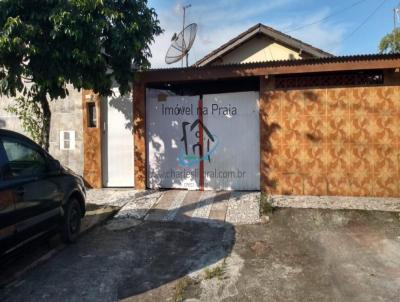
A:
[46, 44]
[391, 42]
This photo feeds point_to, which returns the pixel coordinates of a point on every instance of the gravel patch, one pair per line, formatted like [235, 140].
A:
[204, 205]
[243, 208]
[132, 204]
[175, 206]
[112, 197]
[337, 202]
[139, 207]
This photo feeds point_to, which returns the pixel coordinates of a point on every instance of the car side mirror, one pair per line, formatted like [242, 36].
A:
[54, 165]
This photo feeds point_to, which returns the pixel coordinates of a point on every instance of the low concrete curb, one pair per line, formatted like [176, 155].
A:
[337, 203]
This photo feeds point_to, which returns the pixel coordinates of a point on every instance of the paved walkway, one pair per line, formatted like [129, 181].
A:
[220, 206]
[181, 205]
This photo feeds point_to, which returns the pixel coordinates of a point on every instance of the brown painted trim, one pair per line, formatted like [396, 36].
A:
[139, 135]
[92, 161]
[258, 69]
[264, 134]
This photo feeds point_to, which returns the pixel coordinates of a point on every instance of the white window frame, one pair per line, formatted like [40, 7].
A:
[71, 140]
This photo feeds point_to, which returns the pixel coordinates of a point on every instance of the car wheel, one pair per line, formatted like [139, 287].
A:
[71, 222]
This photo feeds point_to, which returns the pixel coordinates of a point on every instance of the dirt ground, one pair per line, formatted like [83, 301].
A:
[300, 255]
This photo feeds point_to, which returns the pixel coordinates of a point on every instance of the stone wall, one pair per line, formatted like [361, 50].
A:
[66, 116]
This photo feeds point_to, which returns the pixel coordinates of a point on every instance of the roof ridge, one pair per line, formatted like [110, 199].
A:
[259, 26]
[300, 41]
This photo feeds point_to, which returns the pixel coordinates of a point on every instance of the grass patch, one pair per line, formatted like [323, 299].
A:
[181, 288]
[216, 272]
[186, 286]
[266, 204]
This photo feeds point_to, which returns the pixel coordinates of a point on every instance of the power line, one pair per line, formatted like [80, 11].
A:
[365, 20]
[327, 17]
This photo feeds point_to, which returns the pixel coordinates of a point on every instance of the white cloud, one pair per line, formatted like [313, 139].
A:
[219, 23]
[325, 35]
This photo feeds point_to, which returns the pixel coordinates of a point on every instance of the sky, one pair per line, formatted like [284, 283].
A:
[349, 29]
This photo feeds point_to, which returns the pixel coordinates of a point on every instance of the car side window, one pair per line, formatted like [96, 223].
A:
[22, 159]
[3, 162]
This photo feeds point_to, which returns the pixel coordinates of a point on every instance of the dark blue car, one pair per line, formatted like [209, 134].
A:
[37, 194]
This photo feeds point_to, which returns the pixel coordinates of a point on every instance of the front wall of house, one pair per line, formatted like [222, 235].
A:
[66, 116]
[334, 141]
[259, 49]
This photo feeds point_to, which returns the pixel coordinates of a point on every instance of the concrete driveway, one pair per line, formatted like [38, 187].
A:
[300, 255]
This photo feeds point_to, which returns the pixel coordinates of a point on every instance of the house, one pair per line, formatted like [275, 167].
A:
[317, 126]
[268, 112]
[261, 43]
[114, 126]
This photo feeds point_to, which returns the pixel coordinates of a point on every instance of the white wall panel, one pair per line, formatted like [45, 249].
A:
[165, 115]
[234, 119]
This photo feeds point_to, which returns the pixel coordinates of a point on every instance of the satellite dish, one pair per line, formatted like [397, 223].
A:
[181, 44]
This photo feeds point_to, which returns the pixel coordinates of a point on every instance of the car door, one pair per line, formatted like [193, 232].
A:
[37, 192]
[7, 208]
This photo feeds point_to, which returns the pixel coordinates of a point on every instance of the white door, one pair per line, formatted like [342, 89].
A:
[234, 162]
[172, 162]
[118, 166]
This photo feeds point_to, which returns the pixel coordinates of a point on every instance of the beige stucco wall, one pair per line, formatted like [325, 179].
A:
[258, 49]
[66, 115]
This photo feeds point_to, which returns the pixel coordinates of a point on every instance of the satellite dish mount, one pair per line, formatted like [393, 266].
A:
[185, 7]
[182, 42]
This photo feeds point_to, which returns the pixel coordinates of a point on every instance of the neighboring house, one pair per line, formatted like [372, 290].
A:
[261, 43]
[66, 133]
[66, 128]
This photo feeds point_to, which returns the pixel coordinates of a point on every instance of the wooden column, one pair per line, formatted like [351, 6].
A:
[139, 134]
[92, 163]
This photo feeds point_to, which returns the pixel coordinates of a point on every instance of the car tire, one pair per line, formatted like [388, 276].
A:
[71, 223]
